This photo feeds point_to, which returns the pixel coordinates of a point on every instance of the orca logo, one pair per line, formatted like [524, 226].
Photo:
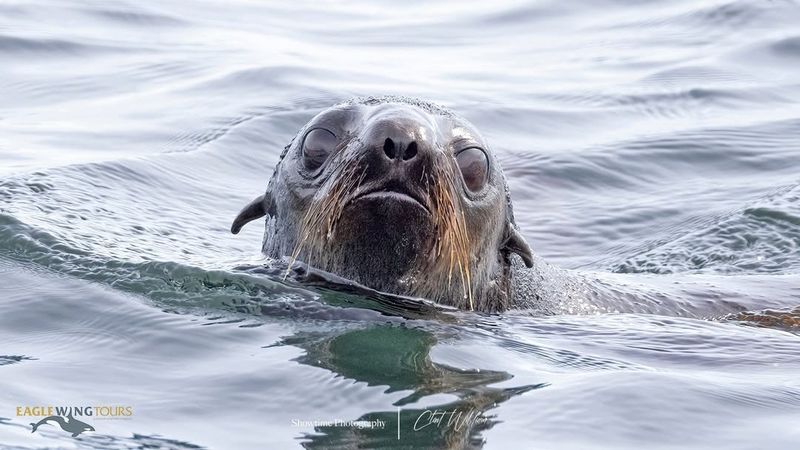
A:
[70, 424]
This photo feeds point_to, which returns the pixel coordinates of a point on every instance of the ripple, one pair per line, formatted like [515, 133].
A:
[652, 341]
[19, 46]
[258, 290]
[135, 17]
[761, 238]
[13, 359]
[693, 75]
[770, 54]
[705, 25]
[788, 47]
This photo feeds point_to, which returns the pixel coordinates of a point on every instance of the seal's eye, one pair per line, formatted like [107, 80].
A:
[317, 146]
[474, 167]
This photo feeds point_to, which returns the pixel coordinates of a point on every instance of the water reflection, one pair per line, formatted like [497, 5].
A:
[398, 357]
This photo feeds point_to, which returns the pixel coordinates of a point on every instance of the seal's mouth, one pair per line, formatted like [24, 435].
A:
[394, 191]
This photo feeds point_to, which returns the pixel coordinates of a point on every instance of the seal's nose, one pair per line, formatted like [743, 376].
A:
[403, 150]
[399, 140]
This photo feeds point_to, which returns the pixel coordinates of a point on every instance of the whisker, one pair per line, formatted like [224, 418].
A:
[451, 249]
[325, 211]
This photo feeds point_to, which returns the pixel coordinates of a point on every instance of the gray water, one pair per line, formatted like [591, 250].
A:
[645, 143]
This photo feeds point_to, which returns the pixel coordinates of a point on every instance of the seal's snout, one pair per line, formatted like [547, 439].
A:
[400, 141]
[396, 152]
[400, 151]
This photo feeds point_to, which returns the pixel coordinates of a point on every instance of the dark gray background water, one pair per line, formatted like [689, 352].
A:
[656, 140]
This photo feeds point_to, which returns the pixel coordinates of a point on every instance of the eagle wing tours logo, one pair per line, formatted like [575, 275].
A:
[68, 424]
[71, 418]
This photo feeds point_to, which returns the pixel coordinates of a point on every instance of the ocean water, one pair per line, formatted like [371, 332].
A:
[646, 144]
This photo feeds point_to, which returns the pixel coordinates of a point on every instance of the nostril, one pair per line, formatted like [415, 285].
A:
[411, 151]
[388, 148]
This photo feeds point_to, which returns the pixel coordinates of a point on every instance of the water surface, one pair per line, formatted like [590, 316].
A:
[645, 143]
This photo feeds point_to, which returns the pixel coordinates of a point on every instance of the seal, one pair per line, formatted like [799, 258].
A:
[400, 195]
[406, 197]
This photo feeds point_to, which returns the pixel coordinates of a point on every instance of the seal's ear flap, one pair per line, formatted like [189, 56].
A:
[515, 243]
[255, 210]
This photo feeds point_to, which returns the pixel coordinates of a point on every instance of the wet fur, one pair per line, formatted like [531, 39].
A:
[451, 253]
[461, 254]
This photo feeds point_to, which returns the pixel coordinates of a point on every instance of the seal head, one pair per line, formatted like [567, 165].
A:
[399, 195]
